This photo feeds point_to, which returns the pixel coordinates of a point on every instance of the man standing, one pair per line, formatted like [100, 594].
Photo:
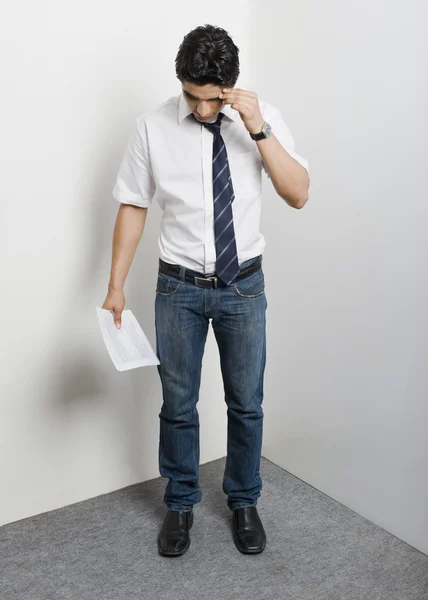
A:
[200, 155]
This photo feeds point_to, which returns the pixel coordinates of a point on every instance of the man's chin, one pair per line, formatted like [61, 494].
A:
[207, 119]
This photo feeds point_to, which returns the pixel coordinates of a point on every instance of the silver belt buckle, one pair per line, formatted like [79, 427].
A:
[203, 281]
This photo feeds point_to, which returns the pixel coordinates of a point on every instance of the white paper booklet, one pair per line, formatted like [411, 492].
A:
[128, 346]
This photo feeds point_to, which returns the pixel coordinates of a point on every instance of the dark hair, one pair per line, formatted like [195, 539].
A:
[208, 55]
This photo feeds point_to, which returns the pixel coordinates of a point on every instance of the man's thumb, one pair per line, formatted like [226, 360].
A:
[117, 318]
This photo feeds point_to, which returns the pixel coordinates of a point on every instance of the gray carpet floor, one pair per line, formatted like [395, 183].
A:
[105, 549]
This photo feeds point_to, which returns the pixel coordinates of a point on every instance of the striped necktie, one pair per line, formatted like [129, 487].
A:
[227, 266]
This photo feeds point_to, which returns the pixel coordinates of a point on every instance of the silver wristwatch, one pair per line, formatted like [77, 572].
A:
[266, 132]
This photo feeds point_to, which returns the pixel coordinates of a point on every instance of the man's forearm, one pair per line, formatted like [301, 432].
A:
[289, 178]
[127, 233]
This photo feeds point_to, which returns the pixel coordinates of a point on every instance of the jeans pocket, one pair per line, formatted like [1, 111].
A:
[166, 286]
[251, 287]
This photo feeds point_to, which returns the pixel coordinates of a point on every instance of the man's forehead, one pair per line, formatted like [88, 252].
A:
[202, 92]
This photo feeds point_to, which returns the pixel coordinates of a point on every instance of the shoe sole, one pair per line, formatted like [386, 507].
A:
[185, 549]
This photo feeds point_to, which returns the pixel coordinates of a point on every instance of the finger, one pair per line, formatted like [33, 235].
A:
[245, 110]
[233, 98]
[239, 108]
[230, 96]
[239, 93]
[248, 101]
[117, 315]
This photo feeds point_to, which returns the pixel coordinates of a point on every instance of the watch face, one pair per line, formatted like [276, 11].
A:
[267, 129]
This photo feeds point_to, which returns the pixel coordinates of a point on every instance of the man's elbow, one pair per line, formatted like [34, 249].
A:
[303, 195]
[302, 199]
[298, 199]
[299, 195]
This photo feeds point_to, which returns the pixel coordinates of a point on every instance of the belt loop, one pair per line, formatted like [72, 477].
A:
[182, 273]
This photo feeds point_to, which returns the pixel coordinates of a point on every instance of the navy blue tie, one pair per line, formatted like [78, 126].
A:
[227, 265]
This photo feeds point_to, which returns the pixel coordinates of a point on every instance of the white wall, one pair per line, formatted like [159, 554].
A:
[346, 405]
[73, 81]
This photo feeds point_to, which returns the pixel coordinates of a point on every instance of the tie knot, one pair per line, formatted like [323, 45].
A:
[214, 127]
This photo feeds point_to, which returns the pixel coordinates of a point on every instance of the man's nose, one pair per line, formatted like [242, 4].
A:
[203, 109]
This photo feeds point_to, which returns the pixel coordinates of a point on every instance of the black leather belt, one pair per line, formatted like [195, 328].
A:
[205, 281]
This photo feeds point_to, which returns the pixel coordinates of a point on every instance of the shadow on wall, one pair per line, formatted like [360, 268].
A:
[82, 374]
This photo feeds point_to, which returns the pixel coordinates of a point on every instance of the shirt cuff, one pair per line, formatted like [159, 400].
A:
[128, 198]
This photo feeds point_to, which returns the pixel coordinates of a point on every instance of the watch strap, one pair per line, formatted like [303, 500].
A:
[258, 136]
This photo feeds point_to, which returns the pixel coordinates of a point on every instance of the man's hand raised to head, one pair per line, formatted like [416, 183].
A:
[247, 104]
[289, 178]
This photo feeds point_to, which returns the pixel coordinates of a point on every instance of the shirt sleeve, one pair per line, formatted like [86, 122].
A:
[135, 182]
[285, 138]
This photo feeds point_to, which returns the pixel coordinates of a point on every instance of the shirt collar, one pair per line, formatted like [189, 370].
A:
[184, 110]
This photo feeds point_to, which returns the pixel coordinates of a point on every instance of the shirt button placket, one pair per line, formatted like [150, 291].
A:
[207, 141]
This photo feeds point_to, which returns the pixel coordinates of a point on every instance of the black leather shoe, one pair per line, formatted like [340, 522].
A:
[173, 538]
[248, 533]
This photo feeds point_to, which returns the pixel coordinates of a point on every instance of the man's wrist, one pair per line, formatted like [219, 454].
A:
[257, 129]
[114, 287]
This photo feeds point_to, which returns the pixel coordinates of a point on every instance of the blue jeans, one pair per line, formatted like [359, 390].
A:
[182, 315]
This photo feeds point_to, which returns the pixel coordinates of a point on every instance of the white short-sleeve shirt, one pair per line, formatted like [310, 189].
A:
[169, 159]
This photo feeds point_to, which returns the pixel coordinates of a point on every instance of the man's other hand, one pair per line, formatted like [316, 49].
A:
[115, 302]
